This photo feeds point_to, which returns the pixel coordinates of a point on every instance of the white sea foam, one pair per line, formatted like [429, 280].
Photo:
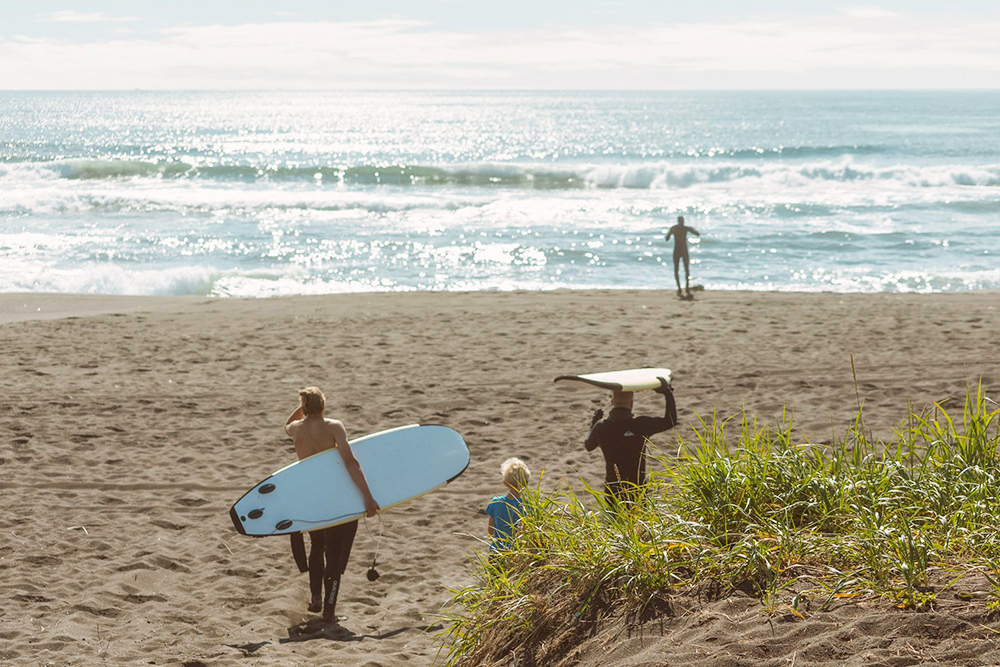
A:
[45, 197]
[671, 175]
[107, 278]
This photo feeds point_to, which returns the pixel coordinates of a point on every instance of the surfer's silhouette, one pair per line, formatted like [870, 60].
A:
[622, 438]
[312, 433]
[679, 233]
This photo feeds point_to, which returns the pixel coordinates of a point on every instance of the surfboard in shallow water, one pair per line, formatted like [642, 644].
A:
[318, 492]
[635, 379]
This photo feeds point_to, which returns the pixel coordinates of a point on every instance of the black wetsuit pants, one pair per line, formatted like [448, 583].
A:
[625, 493]
[329, 551]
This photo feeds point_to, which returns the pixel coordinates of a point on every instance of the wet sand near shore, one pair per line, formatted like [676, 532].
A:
[129, 425]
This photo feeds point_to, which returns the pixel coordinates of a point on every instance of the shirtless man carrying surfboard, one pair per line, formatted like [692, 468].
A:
[622, 439]
[312, 433]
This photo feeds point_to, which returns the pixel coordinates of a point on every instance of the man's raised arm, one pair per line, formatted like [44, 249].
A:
[294, 417]
[651, 425]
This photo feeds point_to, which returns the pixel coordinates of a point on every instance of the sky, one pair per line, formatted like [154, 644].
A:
[516, 44]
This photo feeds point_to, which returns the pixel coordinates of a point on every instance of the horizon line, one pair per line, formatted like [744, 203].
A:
[501, 90]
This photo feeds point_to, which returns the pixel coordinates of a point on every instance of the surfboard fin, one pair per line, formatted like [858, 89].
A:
[299, 552]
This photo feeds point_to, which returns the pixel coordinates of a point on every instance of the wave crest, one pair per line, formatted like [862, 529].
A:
[651, 175]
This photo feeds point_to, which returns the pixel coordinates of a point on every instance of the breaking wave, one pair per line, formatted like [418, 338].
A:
[655, 175]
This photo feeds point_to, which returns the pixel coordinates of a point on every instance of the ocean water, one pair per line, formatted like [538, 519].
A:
[271, 193]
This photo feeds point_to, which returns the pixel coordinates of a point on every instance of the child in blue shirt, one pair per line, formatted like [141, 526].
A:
[505, 511]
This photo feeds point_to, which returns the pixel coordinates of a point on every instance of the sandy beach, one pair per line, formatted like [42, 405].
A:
[129, 425]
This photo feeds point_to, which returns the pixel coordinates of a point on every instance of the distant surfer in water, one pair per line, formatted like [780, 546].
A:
[679, 233]
[312, 433]
[622, 439]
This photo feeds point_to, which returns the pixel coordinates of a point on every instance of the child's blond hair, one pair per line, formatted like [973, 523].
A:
[515, 472]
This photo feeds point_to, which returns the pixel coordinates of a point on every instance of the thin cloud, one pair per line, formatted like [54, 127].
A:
[868, 13]
[826, 52]
[71, 16]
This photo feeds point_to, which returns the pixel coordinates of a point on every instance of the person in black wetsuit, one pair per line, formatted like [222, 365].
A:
[622, 439]
[679, 233]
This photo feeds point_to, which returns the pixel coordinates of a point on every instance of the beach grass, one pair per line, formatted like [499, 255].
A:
[742, 505]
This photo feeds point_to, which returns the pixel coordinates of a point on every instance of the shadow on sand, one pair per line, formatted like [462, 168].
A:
[318, 629]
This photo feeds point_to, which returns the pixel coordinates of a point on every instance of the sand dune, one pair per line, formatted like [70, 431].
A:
[128, 426]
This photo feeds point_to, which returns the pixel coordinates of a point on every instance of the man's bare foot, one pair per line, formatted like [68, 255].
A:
[316, 604]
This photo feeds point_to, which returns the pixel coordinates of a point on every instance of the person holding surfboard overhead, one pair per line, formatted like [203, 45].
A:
[679, 233]
[622, 439]
[330, 548]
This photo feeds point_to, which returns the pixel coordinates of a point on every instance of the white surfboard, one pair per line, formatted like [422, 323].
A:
[317, 492]
[635, 379]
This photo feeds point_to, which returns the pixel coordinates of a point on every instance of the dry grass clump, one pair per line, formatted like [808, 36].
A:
[778, 518]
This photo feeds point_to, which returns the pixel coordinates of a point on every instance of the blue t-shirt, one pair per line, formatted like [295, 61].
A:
[506, 512]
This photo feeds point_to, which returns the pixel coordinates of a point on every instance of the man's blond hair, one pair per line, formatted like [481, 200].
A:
[515, 472]
[313, 401]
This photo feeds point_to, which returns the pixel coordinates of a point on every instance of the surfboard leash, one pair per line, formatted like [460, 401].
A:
[372, 572]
